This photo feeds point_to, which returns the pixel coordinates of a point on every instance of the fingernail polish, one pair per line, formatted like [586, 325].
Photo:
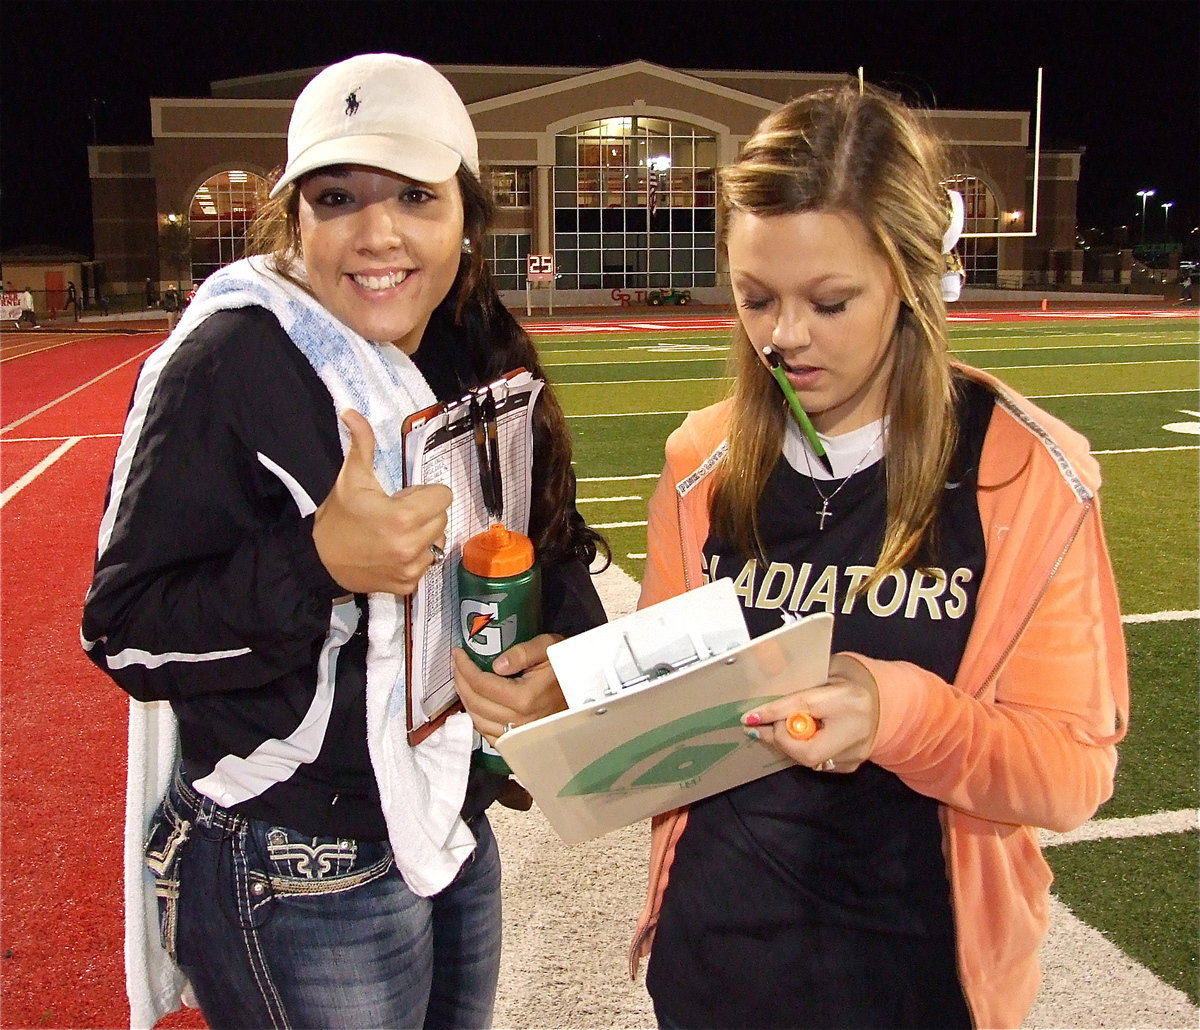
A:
[752, 734]
[751, 719]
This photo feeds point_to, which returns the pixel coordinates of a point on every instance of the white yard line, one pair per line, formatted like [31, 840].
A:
[1179, 821]
[1161, 617]
[1087, 981]
[47, 439]
[1151, 450]
[1034, 397]
[616, 479]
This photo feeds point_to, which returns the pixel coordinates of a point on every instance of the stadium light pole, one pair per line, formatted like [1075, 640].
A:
[1144, 194]
[1167, 205]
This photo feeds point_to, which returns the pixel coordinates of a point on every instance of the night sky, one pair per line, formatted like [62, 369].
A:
[1120, 75]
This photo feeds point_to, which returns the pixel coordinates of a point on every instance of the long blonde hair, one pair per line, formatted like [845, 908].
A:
[862, 153]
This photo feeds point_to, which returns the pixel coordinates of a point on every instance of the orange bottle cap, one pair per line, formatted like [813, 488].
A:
[498, 552]
[801, 726]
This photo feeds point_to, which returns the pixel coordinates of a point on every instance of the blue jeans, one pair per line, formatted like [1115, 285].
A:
[276, 929]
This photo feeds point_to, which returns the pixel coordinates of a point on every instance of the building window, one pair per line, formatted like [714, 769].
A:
[506, 254]
[221, 212]
[510, 186]
[980, 255]
[634, 205]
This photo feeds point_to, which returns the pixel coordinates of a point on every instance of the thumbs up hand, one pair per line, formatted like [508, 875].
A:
[369, 540]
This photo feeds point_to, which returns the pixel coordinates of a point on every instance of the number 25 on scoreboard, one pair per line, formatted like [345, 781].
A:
[540, 268]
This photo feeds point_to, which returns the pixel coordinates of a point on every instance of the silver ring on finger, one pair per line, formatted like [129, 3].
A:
[439, 555]
[826, 766]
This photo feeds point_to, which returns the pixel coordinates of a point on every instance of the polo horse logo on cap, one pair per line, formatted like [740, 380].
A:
[352, 101]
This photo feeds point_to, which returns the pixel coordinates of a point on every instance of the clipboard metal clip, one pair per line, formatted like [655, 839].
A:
[482, 410]
[655, 660]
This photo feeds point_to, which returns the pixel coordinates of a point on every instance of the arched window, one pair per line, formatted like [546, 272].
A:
[221, 212]
[634, 205]
[980, 256]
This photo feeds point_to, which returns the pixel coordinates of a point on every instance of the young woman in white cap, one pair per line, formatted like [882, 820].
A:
[310, 868]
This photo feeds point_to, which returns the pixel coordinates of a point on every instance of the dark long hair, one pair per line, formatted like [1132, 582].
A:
[487, 341]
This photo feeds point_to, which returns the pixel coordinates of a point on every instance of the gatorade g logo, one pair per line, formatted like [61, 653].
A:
[484, 632]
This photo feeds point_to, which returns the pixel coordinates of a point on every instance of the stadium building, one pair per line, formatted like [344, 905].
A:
[610, 171]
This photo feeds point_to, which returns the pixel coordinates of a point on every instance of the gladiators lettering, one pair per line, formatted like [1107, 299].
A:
[804, 589]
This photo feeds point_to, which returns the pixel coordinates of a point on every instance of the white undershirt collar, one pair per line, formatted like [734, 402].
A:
[859, 448]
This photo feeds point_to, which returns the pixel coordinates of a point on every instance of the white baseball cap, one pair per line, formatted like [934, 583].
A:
[384, 111]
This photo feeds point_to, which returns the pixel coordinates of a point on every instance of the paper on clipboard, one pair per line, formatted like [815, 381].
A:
[439, 447]
[663, 728]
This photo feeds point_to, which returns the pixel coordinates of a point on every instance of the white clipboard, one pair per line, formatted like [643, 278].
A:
[672, 739]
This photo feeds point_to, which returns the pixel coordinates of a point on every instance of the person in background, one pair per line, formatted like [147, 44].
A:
[312, 868]
[72, 301]
[28, 314]
[891, 875]
[170, 304]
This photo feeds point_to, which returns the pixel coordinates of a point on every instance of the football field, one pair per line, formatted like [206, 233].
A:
[1123, 945]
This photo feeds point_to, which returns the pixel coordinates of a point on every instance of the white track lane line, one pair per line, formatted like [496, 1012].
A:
[38, 469]
[71, 393]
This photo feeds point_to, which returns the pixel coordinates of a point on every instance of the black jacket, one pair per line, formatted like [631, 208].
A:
[210, 593]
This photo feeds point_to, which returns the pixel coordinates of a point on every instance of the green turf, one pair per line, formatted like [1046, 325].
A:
[1099, 380]
[1149, 507]
[1126, 421]
[1141, 894]
[621, 446]
[679, 395]
[1157, 770]
[1077, 354]
[647, 368]
[1002, 336]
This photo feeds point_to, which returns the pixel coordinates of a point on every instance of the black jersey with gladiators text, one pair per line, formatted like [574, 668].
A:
[829, 890]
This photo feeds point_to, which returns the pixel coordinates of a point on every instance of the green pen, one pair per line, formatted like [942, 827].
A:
[780, 374]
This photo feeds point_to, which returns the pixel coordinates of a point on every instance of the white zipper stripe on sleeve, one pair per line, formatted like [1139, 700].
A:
[136, 656]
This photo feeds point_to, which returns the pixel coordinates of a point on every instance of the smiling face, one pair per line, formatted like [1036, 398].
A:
[812, 287]
[381, 251]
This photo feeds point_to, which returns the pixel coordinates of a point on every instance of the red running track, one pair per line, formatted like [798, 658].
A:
[62, 767]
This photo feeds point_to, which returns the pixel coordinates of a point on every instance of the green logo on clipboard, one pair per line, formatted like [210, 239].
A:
[687, 749]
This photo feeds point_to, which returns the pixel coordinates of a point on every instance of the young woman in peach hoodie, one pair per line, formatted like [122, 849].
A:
[891, 877]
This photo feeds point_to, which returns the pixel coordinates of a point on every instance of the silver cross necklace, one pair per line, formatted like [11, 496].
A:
[825, 512]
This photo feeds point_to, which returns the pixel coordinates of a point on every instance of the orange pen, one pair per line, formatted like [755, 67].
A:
[802, 726]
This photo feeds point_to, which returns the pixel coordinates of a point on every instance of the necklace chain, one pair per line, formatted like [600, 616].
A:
[825, 512]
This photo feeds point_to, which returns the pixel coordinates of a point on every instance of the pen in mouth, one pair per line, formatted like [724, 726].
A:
[801, 416]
